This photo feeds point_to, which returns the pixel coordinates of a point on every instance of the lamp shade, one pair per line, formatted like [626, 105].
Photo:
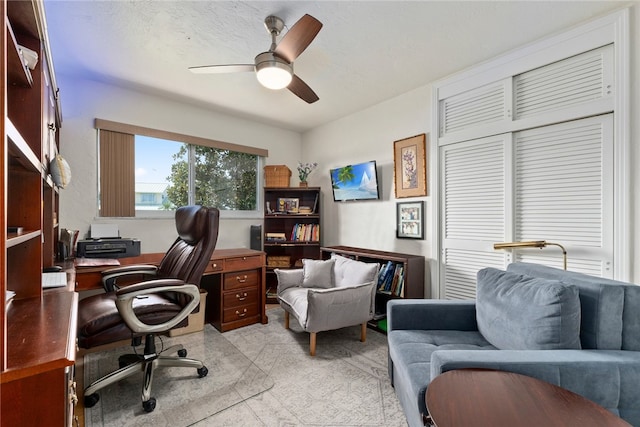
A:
[273, 72]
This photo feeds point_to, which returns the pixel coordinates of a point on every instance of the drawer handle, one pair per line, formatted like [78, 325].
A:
[242, 279]
[244, 313]
[214, 265]
[241, 298]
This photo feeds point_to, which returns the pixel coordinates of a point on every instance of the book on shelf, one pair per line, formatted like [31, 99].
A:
[16, 230]
[305, 232]
[275, 237]
[391, 279]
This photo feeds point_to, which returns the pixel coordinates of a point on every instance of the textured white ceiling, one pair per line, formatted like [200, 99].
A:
[366, 52]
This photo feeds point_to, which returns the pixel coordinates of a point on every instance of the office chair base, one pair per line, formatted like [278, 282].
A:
[131, 364]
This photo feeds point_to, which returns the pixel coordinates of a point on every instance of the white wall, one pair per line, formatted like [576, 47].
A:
[369, 135]
[83, 101]
[366, 135]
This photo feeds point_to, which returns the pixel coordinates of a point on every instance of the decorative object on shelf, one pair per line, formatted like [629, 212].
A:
[276, 176]
[288, 204]
[304, 169]
[410, 166]
[60, 171]
[532, 244]
[410, 220]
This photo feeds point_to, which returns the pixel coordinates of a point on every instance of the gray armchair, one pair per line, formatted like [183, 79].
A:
[576, 331]
[327, 295]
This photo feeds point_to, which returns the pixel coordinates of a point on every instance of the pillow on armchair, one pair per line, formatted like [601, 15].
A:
[349, 272]
[516, 312]
[317, 274]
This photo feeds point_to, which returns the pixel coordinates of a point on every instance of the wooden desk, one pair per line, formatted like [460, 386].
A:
[234, 280]
[483, 397]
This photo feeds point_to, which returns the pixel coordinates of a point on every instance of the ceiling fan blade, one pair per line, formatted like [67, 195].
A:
[298, 38]
[302, 90]
[220, 69]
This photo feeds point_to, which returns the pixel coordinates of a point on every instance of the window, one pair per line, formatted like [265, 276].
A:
[150, 173]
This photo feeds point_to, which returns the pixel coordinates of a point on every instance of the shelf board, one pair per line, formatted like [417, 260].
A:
[19, 150]
[293, 243]
[36, 344]
[289, 216]
[14, 239]
[17, 71]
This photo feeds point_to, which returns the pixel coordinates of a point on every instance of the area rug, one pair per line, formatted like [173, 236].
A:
[345, 384]
[182, 398]
[262, 376]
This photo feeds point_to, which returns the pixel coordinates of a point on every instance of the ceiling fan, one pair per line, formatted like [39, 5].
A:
[274, 68]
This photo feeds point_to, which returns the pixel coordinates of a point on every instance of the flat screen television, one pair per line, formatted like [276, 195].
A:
[355, 182]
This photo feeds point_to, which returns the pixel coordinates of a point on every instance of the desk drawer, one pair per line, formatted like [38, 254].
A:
[241, 279]
[240, 297]
[214, 266]
[243, 263]
[239, 313]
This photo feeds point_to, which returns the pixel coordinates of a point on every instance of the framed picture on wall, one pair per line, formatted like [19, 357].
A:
[410, 220]
[410, 166]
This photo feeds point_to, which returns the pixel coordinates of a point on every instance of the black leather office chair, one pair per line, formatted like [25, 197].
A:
[153, 306]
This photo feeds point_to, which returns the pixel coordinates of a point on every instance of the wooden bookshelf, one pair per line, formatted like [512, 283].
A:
[37, 327]
[413, 275]
[288, 250]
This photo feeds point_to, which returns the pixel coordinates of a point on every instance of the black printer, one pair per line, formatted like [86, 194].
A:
[118, 247]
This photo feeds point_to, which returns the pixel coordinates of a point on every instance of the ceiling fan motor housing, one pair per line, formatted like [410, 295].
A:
[272, 71]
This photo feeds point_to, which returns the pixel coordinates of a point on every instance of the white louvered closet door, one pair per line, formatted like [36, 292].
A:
[473, 211]
[563, 193]
[546, 175]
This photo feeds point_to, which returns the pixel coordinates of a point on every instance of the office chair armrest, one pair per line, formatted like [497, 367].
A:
[111, 275]
[126, 296]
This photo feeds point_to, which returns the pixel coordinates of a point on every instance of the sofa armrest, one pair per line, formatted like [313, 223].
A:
[607, 377]
[288, 278]
[423, 314]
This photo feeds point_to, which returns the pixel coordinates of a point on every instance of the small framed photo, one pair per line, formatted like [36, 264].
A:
[410, 220]
[288, 205]
[410, 166]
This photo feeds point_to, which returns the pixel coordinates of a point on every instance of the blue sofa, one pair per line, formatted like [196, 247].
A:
[577, 331]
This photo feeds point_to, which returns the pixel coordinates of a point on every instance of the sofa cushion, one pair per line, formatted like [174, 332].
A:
[411, 352]
[610, 308]
[348, 272]
[517, 312]
[317, 274]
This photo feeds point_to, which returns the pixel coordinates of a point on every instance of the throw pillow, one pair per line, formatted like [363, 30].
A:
[517, 312]
[317, 274]
[349, 272]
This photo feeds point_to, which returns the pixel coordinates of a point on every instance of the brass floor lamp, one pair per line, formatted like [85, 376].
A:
[532, 244]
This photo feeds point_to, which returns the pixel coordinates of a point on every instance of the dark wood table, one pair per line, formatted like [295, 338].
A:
[482, 397]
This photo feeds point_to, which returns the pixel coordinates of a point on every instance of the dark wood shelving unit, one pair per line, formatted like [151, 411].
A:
[37, 327]
[289, 252]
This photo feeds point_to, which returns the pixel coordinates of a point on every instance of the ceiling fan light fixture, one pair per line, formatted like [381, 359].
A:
[273, 72]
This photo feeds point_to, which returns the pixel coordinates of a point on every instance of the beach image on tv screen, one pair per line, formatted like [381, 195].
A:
[355, 182]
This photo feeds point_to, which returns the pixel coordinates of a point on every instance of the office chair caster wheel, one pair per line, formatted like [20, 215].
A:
[202, 372]
[149, 405]
[91, 400]
[182, 352]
